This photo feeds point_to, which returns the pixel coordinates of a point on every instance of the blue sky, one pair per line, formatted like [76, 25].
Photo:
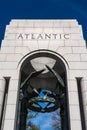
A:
[44, 120]
[43, 9]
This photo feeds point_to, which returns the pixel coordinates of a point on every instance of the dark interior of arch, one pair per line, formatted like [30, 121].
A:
[44, 83]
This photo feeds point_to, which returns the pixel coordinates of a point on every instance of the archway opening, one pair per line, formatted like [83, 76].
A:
[43, 93]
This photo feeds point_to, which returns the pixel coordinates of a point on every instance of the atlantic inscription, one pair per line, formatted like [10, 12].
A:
[43, 36]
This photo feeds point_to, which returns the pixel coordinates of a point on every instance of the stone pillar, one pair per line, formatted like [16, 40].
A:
[2, 89]
[84, 89]
[9, 121]
[74, 109]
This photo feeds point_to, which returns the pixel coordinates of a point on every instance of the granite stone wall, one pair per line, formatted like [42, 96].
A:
[23, 37]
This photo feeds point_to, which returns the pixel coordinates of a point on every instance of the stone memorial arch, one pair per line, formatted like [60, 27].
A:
[43, 67]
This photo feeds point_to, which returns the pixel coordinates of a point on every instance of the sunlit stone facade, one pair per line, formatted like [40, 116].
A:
[63, 38]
